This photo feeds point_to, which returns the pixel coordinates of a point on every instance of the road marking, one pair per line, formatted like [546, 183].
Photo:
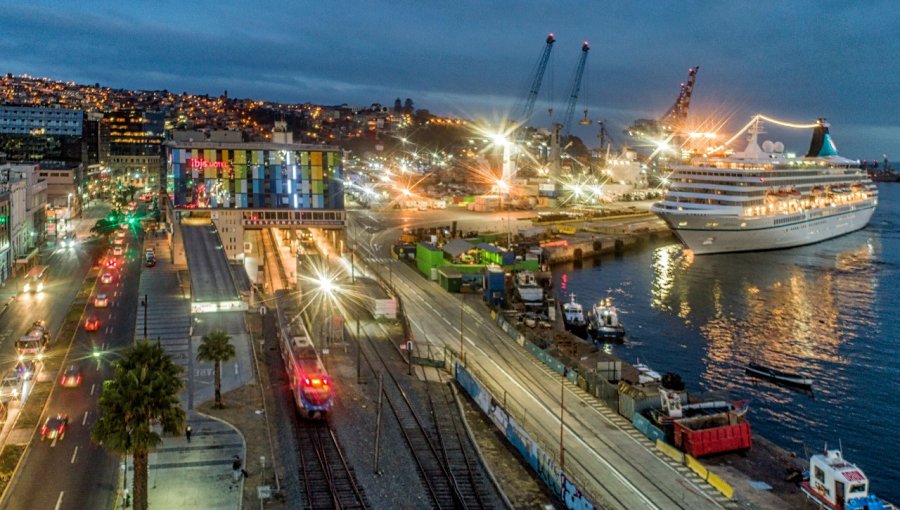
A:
[116, 294]
[74, 454]
[107, 329]
[93, 387]
[84, 421]
[59, 501]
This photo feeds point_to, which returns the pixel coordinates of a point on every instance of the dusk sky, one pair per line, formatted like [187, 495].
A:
[473, 58]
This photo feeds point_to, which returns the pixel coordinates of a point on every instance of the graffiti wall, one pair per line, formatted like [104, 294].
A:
[544, 463]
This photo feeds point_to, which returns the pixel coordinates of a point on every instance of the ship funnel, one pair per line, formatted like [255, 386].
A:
[822, 145]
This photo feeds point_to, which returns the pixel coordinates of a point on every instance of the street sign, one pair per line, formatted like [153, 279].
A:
[264, 491]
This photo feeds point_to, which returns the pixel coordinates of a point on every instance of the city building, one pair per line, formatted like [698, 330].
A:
[64, 192]
[135, 141]
[34, 133]
[28, 198]
[247, 185]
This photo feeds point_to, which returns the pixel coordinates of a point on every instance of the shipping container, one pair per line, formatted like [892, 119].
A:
[708, 435]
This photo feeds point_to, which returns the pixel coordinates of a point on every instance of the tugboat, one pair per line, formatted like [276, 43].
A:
[604, 322]
[573, 317]
[778, 376]
[839, 485]
[529, 291]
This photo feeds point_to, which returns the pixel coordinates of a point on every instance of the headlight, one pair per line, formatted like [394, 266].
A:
[21, 357]
[27, 287]
[40, 356]
[40, 287]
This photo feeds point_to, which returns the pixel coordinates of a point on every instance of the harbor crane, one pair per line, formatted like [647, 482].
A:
[576, 88]
[674, 119]
[537, 79]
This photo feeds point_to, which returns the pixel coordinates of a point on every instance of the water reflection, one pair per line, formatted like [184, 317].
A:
[790, 312]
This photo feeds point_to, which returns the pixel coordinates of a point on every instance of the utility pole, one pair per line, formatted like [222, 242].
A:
[378, 420]
[562, 408]
[462, 344]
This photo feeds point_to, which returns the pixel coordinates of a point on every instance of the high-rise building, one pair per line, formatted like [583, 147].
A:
[135, 141]
[35, 133]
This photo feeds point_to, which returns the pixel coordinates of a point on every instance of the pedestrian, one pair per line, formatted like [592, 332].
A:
[236, 470]
[187, 433]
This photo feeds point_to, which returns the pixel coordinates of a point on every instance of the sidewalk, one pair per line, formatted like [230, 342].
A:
[195, 475]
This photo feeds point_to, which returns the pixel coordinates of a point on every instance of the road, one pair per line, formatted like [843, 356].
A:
[600, 447]
[74, 473]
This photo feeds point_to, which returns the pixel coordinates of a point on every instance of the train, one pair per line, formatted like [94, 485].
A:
[310, 386]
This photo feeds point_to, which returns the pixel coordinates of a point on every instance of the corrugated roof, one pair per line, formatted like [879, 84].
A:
[457, 247]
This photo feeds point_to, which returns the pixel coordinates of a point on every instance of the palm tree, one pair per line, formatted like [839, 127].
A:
[216, 347]
[143, 392]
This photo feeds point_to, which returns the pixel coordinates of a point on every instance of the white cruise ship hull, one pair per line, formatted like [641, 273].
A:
[713, 233]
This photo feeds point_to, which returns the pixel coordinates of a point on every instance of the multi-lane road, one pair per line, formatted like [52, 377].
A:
[611, 459]
[73, 472]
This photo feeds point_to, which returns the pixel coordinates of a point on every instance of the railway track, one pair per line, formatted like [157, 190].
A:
[327, 479]
[446, 469]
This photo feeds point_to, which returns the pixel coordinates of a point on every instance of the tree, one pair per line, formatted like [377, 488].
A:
[142, 393]
[106, 225]
[216, 347]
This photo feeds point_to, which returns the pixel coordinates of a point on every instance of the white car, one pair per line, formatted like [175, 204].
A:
[101, 301]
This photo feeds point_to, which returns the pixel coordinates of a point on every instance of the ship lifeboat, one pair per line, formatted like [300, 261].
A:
[817, 191]
[857, 186]
[794, 193]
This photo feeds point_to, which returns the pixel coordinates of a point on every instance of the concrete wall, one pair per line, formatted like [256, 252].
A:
[231, 229]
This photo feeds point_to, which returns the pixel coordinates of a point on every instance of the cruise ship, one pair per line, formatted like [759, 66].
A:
[764, 199]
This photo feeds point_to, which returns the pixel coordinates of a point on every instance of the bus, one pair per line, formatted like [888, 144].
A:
[35, 279]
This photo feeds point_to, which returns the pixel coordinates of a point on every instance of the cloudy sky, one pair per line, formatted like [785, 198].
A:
[794, 60]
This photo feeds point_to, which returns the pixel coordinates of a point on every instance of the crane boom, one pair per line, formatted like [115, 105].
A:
[537, 79]
[675, 118]
[576, 88]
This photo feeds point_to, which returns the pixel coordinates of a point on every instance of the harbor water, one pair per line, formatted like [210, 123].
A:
[829, 310]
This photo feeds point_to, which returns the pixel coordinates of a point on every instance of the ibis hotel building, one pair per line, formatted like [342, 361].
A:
[244, 186]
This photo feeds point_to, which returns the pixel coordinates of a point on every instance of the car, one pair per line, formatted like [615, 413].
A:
[92, 323]
[119, 241]
[71, 377]
[150, 262]
[25, 369]
[120, 233]
[10, 386]
[101, 301]
[111, 262]
[123, 226]
[118, 250]
[106, 278]
[55, 427]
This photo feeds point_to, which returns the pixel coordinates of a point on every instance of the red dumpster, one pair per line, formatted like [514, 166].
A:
[707, 435]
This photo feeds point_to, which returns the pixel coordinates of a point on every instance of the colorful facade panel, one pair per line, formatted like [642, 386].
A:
[259, 179]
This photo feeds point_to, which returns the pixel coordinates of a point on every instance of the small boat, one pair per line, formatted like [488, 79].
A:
[778, 376]
[529, 290]
[604, 322]
[573, 317]
[837, 484]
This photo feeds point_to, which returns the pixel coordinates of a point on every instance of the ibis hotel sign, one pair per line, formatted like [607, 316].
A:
[202, 164]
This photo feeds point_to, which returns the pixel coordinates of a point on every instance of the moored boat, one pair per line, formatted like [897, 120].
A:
[604, 322]
[573, 317]
[839, 485]
[779, 376]
[530, 292]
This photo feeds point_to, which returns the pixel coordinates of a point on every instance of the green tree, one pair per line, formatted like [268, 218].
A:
[106, 225]
[143, 392]
[216, 347]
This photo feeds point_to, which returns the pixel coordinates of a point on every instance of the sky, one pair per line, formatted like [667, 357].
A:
[794, 60]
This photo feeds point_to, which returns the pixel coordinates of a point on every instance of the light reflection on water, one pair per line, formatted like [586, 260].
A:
[826, 310]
